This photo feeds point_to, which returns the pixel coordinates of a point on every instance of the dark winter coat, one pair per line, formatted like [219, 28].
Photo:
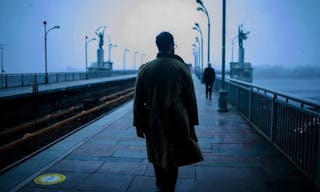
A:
[209, 75]
[165, 109]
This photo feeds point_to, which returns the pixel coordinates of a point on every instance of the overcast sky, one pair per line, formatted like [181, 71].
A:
[282, 32]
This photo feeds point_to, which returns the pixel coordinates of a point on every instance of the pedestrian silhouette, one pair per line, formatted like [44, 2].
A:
[209, 76]
[165, 113]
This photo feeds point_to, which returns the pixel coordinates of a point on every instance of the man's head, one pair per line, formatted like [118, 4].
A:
[165, 42]
[209, 64]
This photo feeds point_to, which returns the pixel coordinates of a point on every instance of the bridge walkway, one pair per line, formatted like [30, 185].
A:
[106, 155]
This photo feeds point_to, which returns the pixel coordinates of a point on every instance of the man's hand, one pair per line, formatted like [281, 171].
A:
[140, 133]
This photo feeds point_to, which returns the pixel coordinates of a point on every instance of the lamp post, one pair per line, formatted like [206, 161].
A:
[142, 55]
[124, 58]
[134, 60]
[199, 59]
[1, 48]
[110, 46]
[45, 47]
[197, 28]
[2, 70]
[223, 94]
[194, 52]
[203, 9]
[196, 63]
[86, 50]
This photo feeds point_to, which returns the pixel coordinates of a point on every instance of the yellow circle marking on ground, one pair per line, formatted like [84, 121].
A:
[50, 179]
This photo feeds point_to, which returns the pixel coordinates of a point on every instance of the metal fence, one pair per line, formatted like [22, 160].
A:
[290, 123]
[27, 79]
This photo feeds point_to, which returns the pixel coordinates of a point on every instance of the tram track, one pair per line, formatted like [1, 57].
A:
[22, 142]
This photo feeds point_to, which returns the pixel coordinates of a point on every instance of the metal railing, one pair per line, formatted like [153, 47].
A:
[291, 124]
[28, 79]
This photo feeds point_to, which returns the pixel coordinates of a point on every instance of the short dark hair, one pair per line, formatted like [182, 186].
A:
[164, 40]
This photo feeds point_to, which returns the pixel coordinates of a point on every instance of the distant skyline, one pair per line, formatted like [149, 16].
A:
[282, 32]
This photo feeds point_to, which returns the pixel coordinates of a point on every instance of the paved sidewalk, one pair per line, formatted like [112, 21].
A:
[107, 156]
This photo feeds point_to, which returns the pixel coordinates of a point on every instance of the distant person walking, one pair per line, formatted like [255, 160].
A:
[209, 76]
[165, 113]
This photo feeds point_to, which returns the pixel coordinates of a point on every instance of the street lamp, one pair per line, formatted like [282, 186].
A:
[194, 52]
[110, 46]
[124, 58]
[199, 47]
[1, 48]
[197, 28]
[202, 8]
[196, 63]
[45, 47]
[142, 56]
[86, 50]
[2, 70]
[134, 59]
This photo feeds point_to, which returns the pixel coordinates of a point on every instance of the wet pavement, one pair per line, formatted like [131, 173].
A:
[106, 155]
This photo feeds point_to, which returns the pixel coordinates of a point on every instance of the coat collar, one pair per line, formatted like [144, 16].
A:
[161, 55]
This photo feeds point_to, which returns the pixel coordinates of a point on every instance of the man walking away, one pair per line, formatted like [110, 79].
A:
[165, 112]
[209, 76]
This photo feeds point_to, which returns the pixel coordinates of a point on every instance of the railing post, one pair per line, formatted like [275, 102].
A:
[273, 117]
[35, 79]
[250, 103]
[317, 176]
[35, 85]
[237, 94]
[22, 80]
[2, 80]
[6, 81]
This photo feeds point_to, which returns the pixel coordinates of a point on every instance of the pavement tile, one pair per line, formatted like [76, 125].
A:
[123, 159]
[143, 183]
[188, 172]
[102, 141]
[125, 168]
[77, 166]
[186, 185]
[150, 170]
[95, 150]
[207, 174]
[106, 182]
[293, 186]
[82, 157]
[130, 153]
[227, 185]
